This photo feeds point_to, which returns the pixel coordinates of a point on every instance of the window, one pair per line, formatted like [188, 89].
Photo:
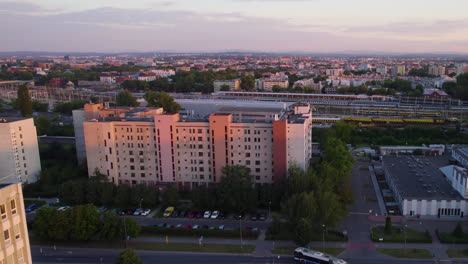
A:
[13, 207]
[6, 236]
[16, 231]
[257, 162]
[132, 167]
[3, 211]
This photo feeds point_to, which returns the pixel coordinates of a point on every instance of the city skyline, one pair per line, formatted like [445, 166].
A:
[216, 26]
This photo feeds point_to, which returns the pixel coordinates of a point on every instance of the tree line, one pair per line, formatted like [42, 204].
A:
[82, 223]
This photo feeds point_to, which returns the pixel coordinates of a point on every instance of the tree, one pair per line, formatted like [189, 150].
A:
[43, 125]
[115, 228]
[38, 106]
[128, 256]
[24, 101]
[247, 82]
[458, 231]
[162, 99]
[303, 232]
[388, 225]
[84, 222]
[125, 98]
[170, 197]
[236, 189]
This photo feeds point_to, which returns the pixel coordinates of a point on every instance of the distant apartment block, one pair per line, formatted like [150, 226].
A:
[19, 151]
[14, 240]
[266, 84]
[146, 146]
[381, 69]
[437, 70]
[334, 72]
[233, 84]
[399, 70]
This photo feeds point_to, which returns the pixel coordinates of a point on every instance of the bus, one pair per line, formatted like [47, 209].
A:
[309, 256]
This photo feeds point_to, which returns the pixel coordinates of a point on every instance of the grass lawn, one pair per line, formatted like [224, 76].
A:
[290, 250]
[413, 253]
[398, 235]
[449, 238]
[154, 246]
[457, 253]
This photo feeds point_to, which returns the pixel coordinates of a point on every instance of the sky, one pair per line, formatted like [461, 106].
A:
[319, 26]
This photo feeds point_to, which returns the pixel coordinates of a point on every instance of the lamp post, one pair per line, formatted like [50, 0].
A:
[240, 229]
[405, 236]
[269, 210]
[323, 237]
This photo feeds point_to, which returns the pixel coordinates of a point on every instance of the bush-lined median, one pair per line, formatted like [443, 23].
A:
[399, 235]
[189, 232]
[413, 253]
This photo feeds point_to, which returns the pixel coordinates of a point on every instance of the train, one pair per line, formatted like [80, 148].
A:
[373, 121]
[397, 112]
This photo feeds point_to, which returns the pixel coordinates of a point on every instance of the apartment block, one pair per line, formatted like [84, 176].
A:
[14, 240]
[267, 84]
[437, 70]
[233, 84]
[19, 155]
[147, 146]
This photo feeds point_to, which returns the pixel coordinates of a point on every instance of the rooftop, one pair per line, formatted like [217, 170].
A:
[3, 185]
[462, 151]
[12, 119]
[418, 177]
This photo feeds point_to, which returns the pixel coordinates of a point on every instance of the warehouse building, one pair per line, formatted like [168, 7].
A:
[421, 189]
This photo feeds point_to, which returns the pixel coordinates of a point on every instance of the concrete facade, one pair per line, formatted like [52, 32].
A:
[14, 240]
[19, 151]
[160, 148]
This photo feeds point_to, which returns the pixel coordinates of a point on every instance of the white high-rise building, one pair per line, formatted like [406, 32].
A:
[19, 151]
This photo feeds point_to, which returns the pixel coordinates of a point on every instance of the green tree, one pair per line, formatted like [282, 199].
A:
[24, 101]
[43, 125]
[162, 99]
[388, 225]
[115, 228]
[122, 195]
[38, 106]
[224, 87]
[247, 82]
[236, 189]
[170, 197]
[125, 98]
[107, 193]
[128, 256]
[303, 232]
[84, 222]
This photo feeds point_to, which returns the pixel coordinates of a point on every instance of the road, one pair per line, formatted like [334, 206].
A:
[75, 256]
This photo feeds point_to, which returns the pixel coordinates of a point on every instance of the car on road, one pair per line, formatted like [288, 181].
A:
[221, 227]
[207, 214]
[146, 212]
[175, 214]
[168, 211]
[31, 207]
[215, 215]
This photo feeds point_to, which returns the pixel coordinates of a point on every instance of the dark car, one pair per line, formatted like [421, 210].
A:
[31, 208]
[175, 213]
[239, 216]
[261, 216]
[205, 227]
[182, 214]
[129, 211]
[161, 225]
[253, 217]
[248, 228]
[192, 214]
[221, 215]
[199, 215]
[121, 212]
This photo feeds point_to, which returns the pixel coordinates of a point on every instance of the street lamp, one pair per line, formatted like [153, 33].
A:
[240, 229]
[405, 235]
[323, 237]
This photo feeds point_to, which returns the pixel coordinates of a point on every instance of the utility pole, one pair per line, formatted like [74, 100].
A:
[240, 230]
[323, 237]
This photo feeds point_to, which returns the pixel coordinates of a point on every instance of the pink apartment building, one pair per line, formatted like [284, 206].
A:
[147, 146]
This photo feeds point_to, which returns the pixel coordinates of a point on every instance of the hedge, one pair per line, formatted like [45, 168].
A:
[190, 232]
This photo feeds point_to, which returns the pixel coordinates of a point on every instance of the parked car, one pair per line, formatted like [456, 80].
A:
[207, 214]
[138, 211]
[187, 226]
[212, 228]
[239, 216]
[31, 208]
[168, 211]
[221, 227]
[192, 214]
[63, 208]
[129, 211]
[196, 227]
[205, 227]
[102, 209]
[253, 217]
[248, 228]
[178, 226]
[120, 212]
[261, 216]
[222, 215]
[162, 225]
[175, 213]
[215, 215]
[183, 214]
[146, 212]
[255, 229]
[199, 215]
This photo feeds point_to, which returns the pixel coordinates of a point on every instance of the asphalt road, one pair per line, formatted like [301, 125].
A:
[75, 256]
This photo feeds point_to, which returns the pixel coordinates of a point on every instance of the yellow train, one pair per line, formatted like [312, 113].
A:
[396, 112]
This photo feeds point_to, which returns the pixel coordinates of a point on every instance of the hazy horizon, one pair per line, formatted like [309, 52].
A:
[204, 26]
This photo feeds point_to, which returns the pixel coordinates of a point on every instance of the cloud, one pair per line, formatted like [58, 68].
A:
[115, 29]
[20, 7]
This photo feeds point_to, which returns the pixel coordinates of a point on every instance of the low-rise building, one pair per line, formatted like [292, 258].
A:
[233, 85]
